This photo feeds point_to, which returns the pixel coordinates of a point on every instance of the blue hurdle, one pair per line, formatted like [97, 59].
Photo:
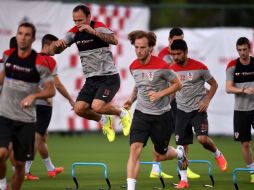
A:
[238, 170]
[209, 170]
[90, 164]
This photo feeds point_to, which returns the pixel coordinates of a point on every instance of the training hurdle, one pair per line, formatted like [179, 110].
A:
[74, 165]
[239, 170]
[209, 170]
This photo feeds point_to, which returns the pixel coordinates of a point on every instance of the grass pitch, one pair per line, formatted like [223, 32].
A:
[65, 150]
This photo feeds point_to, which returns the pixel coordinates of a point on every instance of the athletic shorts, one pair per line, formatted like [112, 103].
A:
[43, 114]
[173, 110]
[99, 87]
[243, 120]
[184, 124]
[155, 126]
[22, 136]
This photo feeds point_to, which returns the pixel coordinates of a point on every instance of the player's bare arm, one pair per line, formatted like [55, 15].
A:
[2, 74]
[132, 99]
[48, 91]
[203, 106]
[57, 47]
[232, 89]
[175, 86]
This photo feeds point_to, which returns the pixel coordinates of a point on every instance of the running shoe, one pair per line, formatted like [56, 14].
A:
[182, 185]
[31, 177]
[252, 178]
[156, 175]
[52, 174]
[108, 129]
[191, 174]
[126, 122]
[222, 162]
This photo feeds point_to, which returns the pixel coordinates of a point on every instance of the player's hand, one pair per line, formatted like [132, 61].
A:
[127, 104]
[86, 28]
[249, 91]
[27, 101]
[153, 96]
[203, 105]
[72, 104]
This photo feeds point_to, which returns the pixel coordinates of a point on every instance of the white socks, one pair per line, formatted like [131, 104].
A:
[28, 166]
[251, 166]
[155, 168]
[123, 112]
[103, 119]
[131, 183]
[217, 153]
[48, 164]
[3, 183]
[180, 151]
[183, 174]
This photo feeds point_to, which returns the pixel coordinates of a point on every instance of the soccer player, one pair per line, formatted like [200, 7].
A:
[240, 82]
[44, 113]
[102, 79]
[193, 101]
[165, 54]
[152, 117]
[23, 70]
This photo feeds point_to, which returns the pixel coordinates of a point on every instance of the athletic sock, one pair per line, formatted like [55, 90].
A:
[155, 168]
[3, 183]
[183, 174]
[48, 164]
[103, 120]
[131, 183]
[28, 166]
[123, 112]
[251, 166]
[179, 152]
[217, 153]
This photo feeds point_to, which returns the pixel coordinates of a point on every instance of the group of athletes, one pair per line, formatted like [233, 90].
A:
[169, 91]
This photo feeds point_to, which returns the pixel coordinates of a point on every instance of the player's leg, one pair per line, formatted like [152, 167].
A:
[5, 137]
[243, 120]
[138, 138]
[160, 135]
[200, 124]
[108, 87]
[23, 147]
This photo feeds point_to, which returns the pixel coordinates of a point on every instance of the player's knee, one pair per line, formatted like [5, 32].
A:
[246, 145]
[97, 107]
[202, 139]
[80, 109]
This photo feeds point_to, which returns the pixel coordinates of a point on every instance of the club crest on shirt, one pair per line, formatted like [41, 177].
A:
[150, 76]
[189, 76]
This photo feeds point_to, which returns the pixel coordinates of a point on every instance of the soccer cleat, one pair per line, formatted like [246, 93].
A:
[31, 177]
[126, 122]
[108, 129]
[252, 178]
[52, 174]
[191, 174]
[183, 161]
[156, 175]
[222, 162]
[182, 185]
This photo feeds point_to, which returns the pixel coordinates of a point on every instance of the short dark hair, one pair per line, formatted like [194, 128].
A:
[83, 8]
[29, 25]
[138, 34]
[179, 45]
[47, 39]
[243, 41]
[175, 32]
[13, 42]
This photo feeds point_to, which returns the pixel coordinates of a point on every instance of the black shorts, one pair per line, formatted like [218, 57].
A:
[43, 114]
[22, 136]
[184, 124]
[155, 126]
[243, 120]
[99, 87]
[173, 110]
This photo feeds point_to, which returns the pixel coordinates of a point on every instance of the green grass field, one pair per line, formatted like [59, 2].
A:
[65, 150]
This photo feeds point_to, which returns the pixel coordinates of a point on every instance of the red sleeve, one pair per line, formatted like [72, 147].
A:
[231, 64]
